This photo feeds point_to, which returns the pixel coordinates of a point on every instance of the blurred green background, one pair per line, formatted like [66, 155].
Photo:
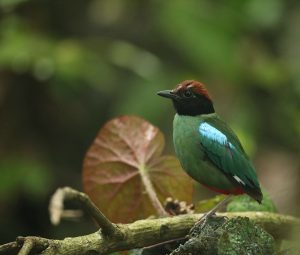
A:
[66, 67]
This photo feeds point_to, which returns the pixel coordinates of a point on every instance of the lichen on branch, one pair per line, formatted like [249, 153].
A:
[142, 233]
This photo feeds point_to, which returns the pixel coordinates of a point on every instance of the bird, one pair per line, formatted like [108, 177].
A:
[208, 149]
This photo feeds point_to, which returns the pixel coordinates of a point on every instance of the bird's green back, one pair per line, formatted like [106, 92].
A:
[211, 153]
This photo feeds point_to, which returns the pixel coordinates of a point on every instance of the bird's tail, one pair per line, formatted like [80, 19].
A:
[256, 194]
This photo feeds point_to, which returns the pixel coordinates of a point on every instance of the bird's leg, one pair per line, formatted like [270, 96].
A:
[210, 213]
[216, 208]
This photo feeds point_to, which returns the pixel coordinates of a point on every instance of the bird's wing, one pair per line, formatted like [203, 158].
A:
[224, 150]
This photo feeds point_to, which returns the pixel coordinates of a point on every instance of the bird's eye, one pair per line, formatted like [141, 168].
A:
[187, 93]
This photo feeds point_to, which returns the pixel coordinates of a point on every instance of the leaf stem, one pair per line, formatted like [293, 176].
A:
[151, 191]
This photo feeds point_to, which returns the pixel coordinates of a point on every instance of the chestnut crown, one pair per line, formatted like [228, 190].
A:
[190, 97]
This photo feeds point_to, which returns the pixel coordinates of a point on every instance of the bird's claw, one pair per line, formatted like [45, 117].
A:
[202, 221]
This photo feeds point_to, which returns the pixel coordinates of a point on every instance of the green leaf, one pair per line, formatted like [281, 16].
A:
[244, 203]
[207, 204]
[124, 167]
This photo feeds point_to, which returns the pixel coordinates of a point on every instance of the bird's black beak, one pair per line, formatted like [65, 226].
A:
[168, 94]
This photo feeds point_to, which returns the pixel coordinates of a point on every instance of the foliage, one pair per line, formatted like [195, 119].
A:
[207, 204]
[124, 166]
[246, 204]
[30, 178]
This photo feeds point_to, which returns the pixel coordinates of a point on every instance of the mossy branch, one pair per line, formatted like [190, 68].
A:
[139, 234]
[56, 208]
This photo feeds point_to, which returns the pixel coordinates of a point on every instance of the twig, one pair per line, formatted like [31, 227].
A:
[27, 246]
[9, 248]
[69, 194]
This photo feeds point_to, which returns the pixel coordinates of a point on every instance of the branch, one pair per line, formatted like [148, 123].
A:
[148, 232]
[61, 195]
[24, 245]
[9, 247]
[117, 237]
[27, 246]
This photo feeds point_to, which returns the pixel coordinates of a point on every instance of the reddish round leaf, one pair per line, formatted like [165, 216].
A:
[126, 149]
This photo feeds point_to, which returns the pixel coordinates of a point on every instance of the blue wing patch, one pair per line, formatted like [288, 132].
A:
[214, 134]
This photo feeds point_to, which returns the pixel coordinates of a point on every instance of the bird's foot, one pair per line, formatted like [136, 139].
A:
[202, 221]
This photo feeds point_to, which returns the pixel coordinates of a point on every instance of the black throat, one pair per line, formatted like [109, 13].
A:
[194, 106]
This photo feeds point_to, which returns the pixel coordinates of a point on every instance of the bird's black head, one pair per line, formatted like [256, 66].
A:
[190, 98]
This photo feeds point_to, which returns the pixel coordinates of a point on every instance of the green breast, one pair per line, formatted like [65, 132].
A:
[186, 138]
